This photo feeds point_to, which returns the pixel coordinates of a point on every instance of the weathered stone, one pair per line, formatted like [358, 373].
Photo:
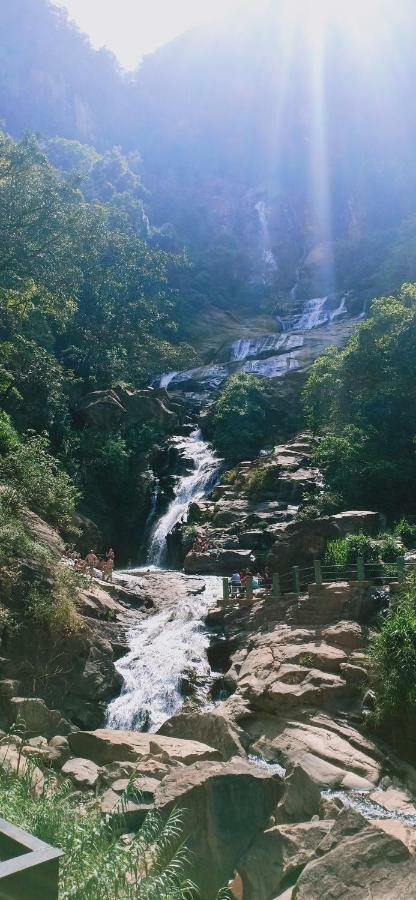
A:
[276, 854]
[106, 745]
[207, 727]
[303, 794]
[130, 813]
[356, 521]
[226, 805]
[368, 864]
[83, 772]
[300, 542]
[218, 562]
[395, 800]
[348, 635]
[38, 719]
[330, 759]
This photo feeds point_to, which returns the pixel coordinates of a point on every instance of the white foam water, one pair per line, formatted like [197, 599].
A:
[163, 646]
[191, 486]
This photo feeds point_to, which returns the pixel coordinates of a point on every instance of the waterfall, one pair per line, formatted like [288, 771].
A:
[153, 507]
[266, 344]
[191, 486]
[266, 244]
[162, 647]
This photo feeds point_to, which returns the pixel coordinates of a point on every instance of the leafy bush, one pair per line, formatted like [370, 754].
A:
[406, 533]
[389, 548]
[99, 863]
[261, 480]
[44, 486]
[240, 420]
[55, 610]
[394, 657]
[346, 551]
[9, 439]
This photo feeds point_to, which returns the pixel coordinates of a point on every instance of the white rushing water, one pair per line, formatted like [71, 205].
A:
[193, 485]
[163, 647]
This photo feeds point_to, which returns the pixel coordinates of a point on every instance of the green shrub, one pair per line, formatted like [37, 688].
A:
[44, 486]
[261, 480]
[99, 863]
[346, 551]
[389, 548]
[9, 439]
[54, 610]
[406, 533]
[393, 653]
[240, 417]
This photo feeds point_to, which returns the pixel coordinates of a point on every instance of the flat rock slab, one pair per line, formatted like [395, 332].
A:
[83, 772]
[107, 745]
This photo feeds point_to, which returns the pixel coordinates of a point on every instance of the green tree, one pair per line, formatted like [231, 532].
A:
[362, 402]
[240, 418]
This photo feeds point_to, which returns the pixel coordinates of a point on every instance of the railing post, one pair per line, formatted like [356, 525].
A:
[401, 571]
[296, 576]
[360, 569]
[276, 592]
[249, 587]
[318, 571]
[225, 591]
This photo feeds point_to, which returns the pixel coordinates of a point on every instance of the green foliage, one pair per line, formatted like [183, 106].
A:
[99, 864]
[262, 479]
[54, 610]
[394, 657]
[9, 439]
[406, 533]
[345, 551]
[43, 484]
[361, 400]
[240, 418]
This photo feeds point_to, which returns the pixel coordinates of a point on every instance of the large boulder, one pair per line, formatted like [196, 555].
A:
[354, 521]
[208, 727]
[218, 562]
[277, 854]
[298, 543]
[333, 755]
[368, 864]
[37, 718]
[106, 746]
[226, 805]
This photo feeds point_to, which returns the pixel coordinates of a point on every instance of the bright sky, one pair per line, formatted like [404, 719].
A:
[132, 28]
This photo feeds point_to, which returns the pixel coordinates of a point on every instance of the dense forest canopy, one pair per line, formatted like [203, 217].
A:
[86, 304]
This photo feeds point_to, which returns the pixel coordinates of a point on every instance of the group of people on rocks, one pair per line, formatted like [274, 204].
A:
[93, 563]
[239, 581]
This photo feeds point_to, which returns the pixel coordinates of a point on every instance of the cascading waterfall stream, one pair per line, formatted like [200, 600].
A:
[162, 647]
[166, 644]
[192, 486]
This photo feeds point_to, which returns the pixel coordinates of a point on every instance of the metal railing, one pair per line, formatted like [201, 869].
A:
[298, 579]
[28, 866]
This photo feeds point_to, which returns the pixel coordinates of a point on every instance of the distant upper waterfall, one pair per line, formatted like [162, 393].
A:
[193, 485]
[266, 244]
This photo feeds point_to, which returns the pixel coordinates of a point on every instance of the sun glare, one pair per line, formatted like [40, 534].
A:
[361, 20]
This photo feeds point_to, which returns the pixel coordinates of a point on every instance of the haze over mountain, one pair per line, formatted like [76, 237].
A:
[251, 134]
